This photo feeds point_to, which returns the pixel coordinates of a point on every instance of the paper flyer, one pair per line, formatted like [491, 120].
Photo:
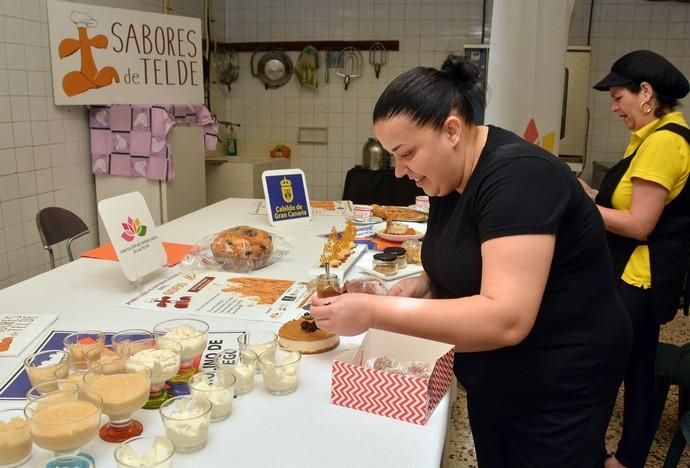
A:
[17, 331]
[224, 294]
[17, 384]
[322, 208]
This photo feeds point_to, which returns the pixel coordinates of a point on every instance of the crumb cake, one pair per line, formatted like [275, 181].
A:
[304, 336]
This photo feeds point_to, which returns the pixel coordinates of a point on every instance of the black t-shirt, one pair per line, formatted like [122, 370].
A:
[581, 335]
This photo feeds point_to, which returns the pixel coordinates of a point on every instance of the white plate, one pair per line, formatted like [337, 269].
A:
[372, 220]
[341, 270]
[409, 270]
[420, 230]
[416, 208]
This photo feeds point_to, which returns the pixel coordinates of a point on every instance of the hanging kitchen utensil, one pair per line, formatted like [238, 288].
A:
[306, 66]
[378, 57]
[227, 67]
[274, 68]
[349, 65]
[326, 65]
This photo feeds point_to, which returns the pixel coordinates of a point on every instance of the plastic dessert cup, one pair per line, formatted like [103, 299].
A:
[124, 387]
[192, 334]
[145, 451]
[81, 342]
[162, 357]
[280, 370]
[54, 387]
[64, 423]
[15, 438]
[186, 420]
[258, 341]
[242, 363]
[46, 366]
[218, 387]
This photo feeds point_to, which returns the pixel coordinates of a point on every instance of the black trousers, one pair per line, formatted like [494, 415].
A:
[547, 434]
[639, 423]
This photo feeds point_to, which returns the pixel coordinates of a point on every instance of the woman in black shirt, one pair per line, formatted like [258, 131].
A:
[517, 277]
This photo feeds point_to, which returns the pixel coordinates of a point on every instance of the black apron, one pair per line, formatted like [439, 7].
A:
[668, 243]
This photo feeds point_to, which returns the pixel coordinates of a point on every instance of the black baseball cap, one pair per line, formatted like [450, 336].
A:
[645, 65]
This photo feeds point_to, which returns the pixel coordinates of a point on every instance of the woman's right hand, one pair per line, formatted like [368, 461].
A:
[419, 286]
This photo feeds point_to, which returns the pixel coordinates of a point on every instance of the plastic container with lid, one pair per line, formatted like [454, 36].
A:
[400, 255]
[385, 263]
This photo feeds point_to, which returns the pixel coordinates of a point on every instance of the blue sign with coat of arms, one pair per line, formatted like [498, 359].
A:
[287, 199]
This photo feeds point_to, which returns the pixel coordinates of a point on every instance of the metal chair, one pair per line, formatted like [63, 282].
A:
[56, 225]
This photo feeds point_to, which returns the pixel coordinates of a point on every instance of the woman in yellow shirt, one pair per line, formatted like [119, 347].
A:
[645, 203]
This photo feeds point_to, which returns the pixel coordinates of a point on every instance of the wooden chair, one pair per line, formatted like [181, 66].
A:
[56, 225]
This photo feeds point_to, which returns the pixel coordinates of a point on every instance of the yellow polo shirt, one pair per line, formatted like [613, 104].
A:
[663, 158]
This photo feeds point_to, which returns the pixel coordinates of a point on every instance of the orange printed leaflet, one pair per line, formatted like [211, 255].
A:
[175, 252]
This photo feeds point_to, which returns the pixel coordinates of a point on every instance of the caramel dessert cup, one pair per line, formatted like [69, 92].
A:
[124, 387]
[192, 334]
[46, 366]
[56, 387]
[79, 343]
[122, 340]
[64, 423]
[15, 438]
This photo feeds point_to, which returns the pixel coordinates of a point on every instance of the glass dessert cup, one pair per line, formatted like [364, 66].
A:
[242, 364]
[258, 341]
[162, 357]
[100, 355]
[328, 285]
[186, 420]
[145, 451]
[15, 438]
[192, 334]
[79, 343]
[218, 387]
[64, 421]
[65, 461]
[124, 387]
[46, 366]
[121, 341]
[280, 370]
[55, 387]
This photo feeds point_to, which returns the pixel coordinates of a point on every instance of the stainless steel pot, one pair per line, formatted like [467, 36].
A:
[274, 68]
[374, 157]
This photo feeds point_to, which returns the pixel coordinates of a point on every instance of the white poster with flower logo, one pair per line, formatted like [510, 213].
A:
[130, 226]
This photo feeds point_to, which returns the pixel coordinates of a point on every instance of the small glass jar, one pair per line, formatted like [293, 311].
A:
[328, 286]
[400, 255]
[385, 263]
[414, 251]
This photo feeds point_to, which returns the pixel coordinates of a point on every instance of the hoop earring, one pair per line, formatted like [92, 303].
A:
[644, 109]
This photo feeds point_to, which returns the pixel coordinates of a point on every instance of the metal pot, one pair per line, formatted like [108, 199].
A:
[274, 68]
[374, 157]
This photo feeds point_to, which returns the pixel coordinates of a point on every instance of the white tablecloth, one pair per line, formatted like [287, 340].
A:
[302, 429]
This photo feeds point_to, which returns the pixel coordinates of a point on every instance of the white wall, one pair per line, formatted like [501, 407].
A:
[44, 149]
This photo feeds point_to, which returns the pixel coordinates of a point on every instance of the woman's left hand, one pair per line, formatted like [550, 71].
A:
[347, 315]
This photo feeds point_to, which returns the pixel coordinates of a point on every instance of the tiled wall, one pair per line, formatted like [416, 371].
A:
[44, 149]
[427, 31]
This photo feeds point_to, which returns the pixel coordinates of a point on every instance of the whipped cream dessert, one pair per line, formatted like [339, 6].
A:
[280, 380]
[192, 340]
[159, 455]
[217, 392]
[186, 424]
[164, 363]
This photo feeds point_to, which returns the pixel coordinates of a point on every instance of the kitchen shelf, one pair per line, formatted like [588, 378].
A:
[299, 45]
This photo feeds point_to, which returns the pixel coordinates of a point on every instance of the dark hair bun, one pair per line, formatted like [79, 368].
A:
[462, 72]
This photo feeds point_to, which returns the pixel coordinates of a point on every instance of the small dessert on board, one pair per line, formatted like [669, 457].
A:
[304, 336]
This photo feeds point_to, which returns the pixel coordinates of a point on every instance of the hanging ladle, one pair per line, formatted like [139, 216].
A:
[378, 56]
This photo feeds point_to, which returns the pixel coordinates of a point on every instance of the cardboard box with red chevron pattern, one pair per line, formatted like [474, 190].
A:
[403, 397]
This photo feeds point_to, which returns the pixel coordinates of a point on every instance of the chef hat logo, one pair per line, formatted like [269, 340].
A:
[81, 19]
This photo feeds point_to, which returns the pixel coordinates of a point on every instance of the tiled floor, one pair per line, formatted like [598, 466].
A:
[460, 449]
